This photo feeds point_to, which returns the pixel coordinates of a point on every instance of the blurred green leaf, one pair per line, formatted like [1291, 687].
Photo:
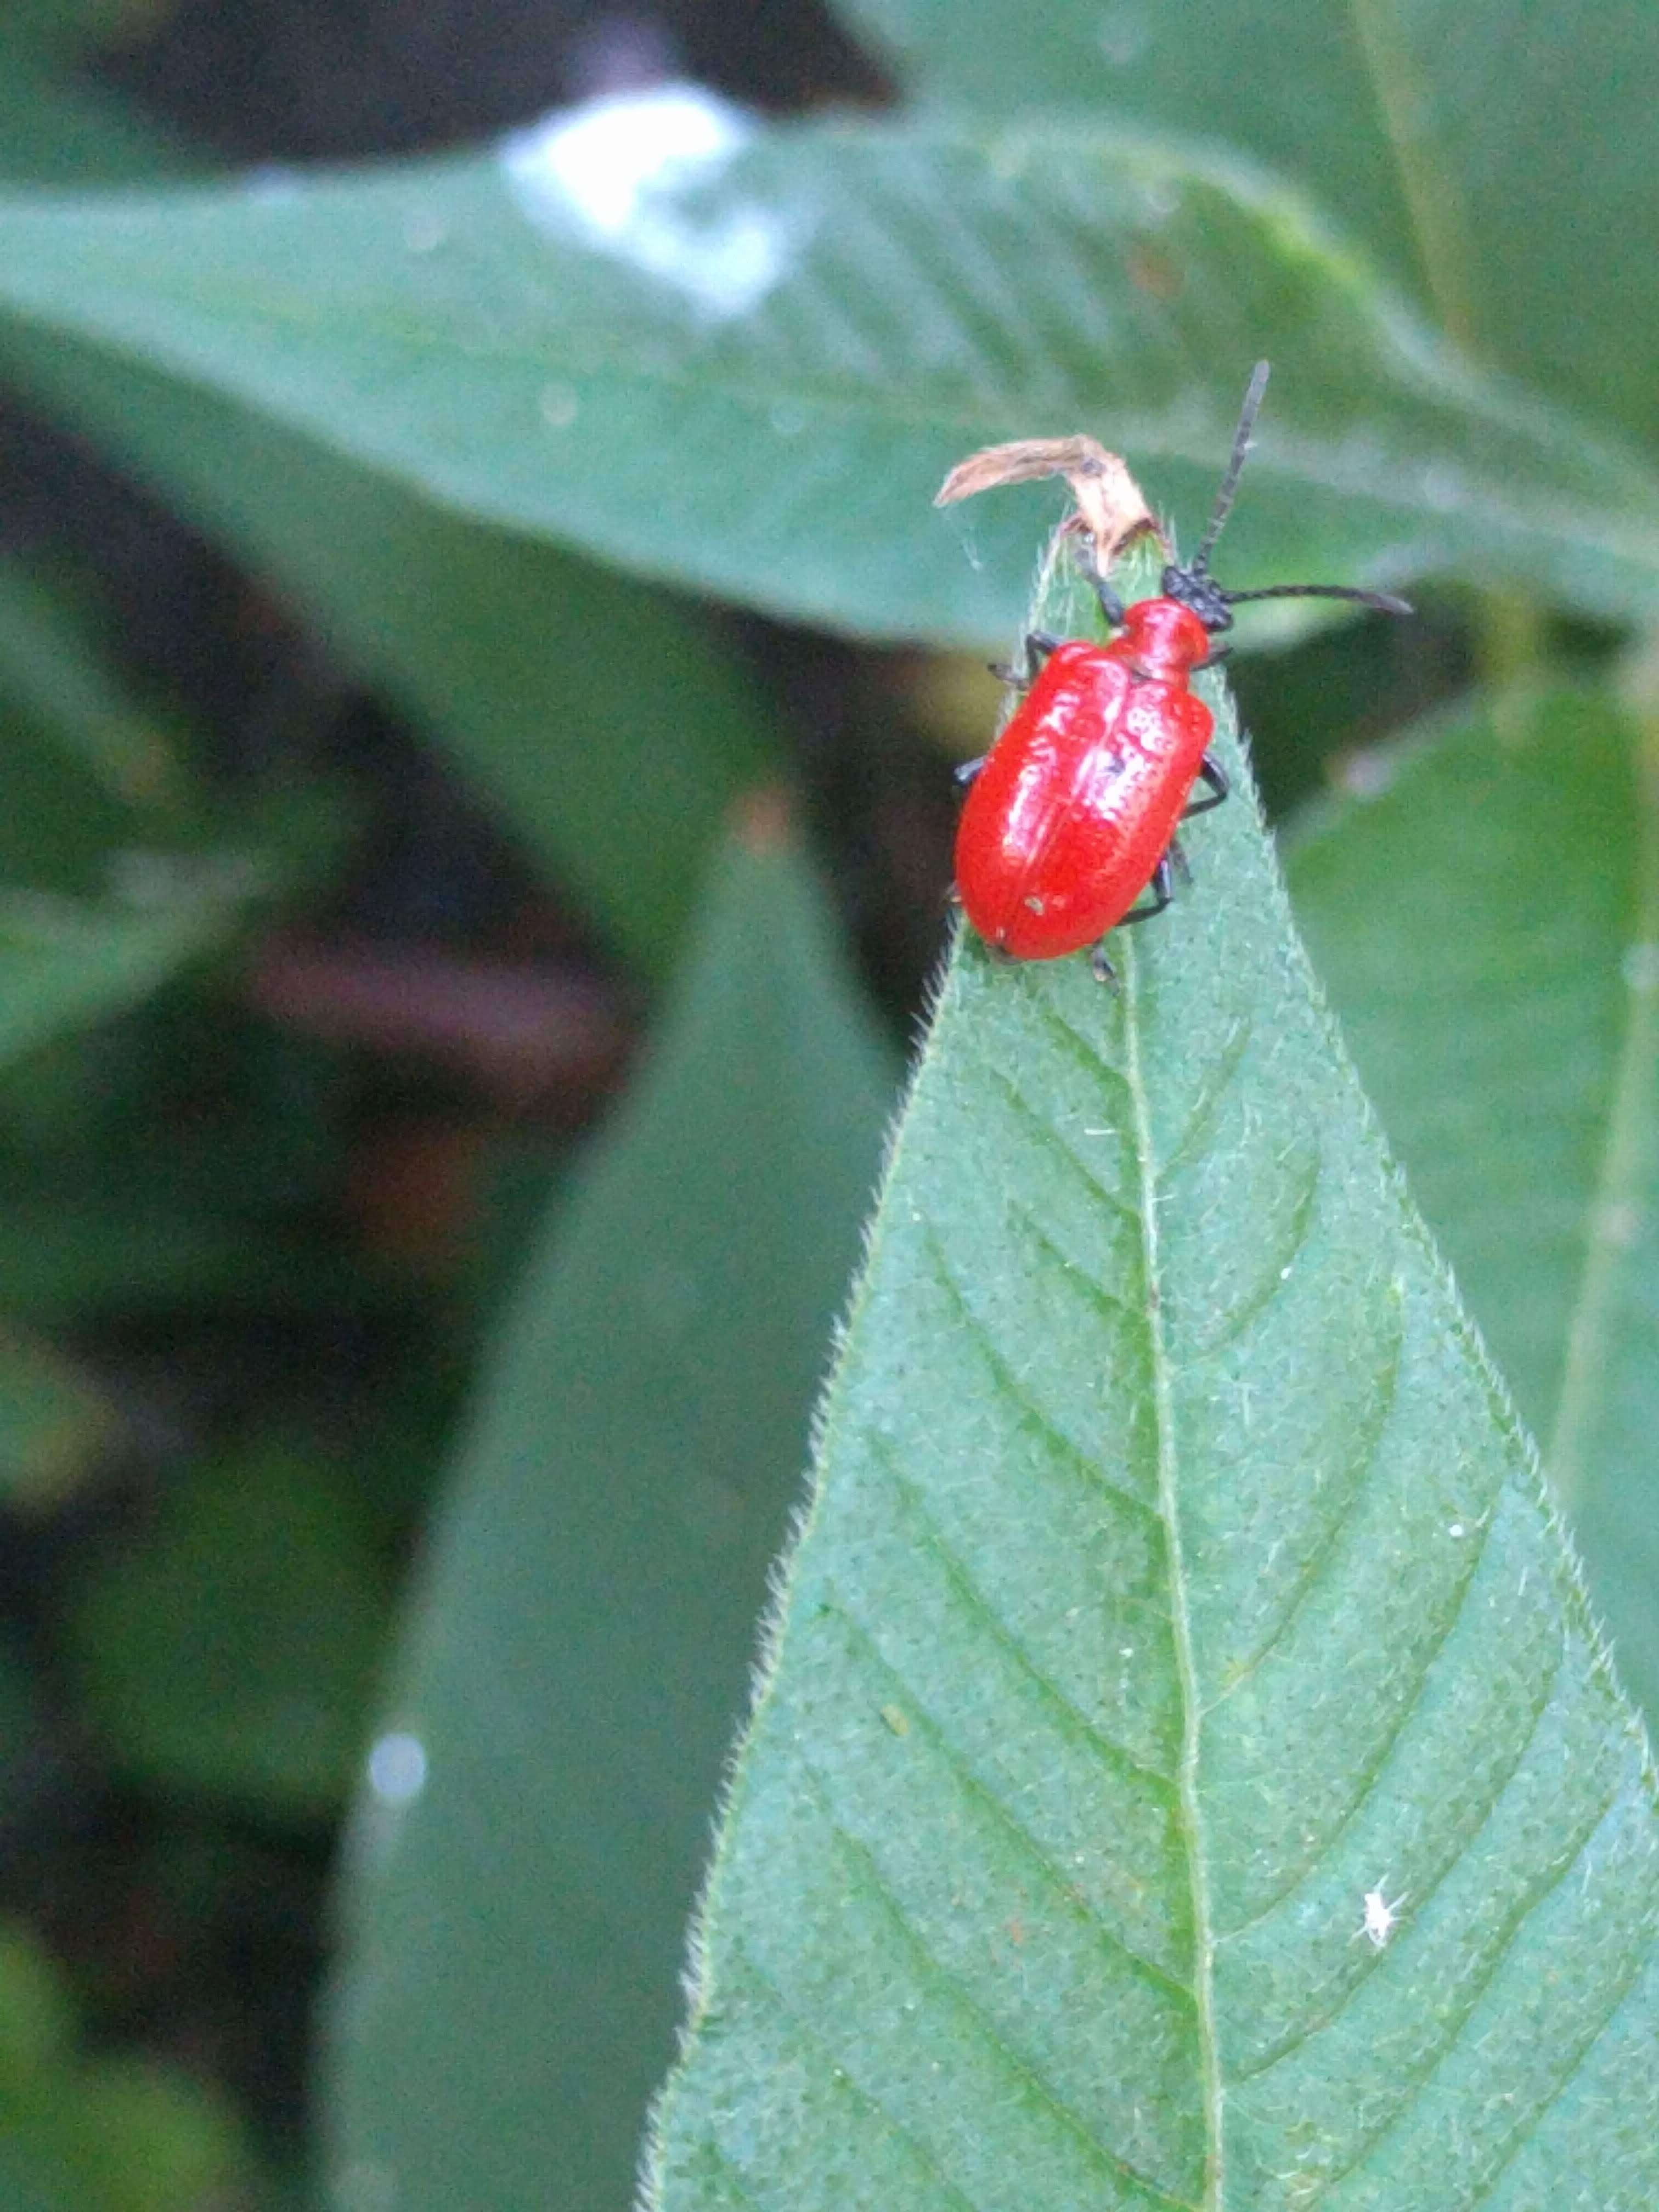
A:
[232, 1655]
[53, 1422]
[145, 2138]
[66, 1259]
[1499, 163]
[103, 2135]
[60, 819]
[63, 965]
[1178, 1594]
[528, 1849]
[38, 2024]
[1486, 923]
[53, 669]
[59, 129]
[756, 381]
[610, 730]
[33, 2176]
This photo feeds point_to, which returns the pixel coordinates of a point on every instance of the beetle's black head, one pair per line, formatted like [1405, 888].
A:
[1196, 588]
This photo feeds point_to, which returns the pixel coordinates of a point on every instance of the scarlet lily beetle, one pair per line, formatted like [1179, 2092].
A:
[1073, 813]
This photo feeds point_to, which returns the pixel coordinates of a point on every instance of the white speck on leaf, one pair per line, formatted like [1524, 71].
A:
[1381, 1915]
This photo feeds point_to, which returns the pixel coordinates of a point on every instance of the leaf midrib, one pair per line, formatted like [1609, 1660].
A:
[1192, 1709]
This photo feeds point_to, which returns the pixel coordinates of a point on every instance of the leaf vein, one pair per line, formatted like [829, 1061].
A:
[1050, 1140]
[1167, 1983]
[843, 2077]
[863, 1866]
[1420, 2076]
[1059, 1444]
[975, 1601]
[1475, 1820]
[1369, 1774]
[1275, 1268]
[1316, 1566]
[1072, 1041]
[1106, 1302]
[1217, 1081]
[1524, 2132]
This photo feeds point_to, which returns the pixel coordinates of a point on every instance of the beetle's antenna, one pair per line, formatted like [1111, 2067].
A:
[1191, 583]
[1224, 497]
[1384, 602]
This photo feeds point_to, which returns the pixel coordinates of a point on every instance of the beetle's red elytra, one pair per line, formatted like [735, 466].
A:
[1075, 811]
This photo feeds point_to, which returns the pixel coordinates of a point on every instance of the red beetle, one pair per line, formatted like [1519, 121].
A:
[1074, 810]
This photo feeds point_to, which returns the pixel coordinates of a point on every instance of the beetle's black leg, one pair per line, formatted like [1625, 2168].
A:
[1162, 892]
[952, 895]
[1110, 605]
[1211, 772]
[1038, 645]
[1213, 660]
[966, 771]
[1103, 971]
[1177, 860]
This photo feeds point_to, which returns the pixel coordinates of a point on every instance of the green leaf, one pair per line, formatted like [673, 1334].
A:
[53, 1422]
[1178, 1596]
[147, 2138]
[65, 1258]
[1483, 923]
[54, 670]
[38, 2024]
[65, 965]
[110, 2135]
[233, 1656]
[756, 382]
[528, 1850]
[1474, 151]
[611, 732]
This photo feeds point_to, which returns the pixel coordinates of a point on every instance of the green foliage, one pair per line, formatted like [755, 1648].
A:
[1484, 922]
[80, 2134]
[1178, 1601]
[1177, 1582]
[1495, 163]
[233, 1653]
[625, 1479]
[53, 1422]
[610, 729]
[429, 321]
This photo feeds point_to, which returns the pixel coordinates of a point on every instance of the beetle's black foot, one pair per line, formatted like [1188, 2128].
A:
[1101, 967]
[1163, 891]
[1210, 772]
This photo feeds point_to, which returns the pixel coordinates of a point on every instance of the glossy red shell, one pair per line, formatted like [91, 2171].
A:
[1065, 822]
